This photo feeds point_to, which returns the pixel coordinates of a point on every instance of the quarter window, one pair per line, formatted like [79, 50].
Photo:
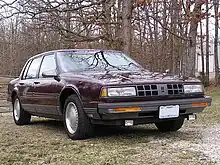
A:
[34, 68]
[48, 64]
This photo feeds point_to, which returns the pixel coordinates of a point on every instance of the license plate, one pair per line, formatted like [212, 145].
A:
[170, 111]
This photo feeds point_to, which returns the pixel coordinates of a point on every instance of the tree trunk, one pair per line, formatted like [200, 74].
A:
[152, 45]
[189, 70]
[118, 27]
[156, 36]
[202, 53]
[126, 26]
[68, 42]
[164, 51]
[207, 46]
[107, 19]
[216, 7]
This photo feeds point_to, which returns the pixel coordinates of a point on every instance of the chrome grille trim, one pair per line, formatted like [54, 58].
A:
[159, 89]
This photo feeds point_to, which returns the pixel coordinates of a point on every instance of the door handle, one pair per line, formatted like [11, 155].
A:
[21, 83]
[36, 82]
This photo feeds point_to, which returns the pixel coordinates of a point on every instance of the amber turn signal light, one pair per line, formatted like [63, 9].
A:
[128, 109]
[104, 92]
[203, 104]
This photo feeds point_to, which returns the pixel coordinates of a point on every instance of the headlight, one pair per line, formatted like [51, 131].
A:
[193, 89]
[117, 92]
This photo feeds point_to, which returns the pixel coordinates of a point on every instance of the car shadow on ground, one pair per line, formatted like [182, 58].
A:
[50, 123]
[148, 130]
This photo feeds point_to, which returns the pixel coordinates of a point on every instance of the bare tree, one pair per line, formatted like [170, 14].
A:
[202, 53]
[216, 9]
[126, 25]
[207, 44]
[191, 57]
[160, 34]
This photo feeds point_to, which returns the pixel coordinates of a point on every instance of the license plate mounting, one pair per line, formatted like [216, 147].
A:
[169, 111]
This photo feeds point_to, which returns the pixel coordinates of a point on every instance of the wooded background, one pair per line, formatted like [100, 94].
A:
[159, 34]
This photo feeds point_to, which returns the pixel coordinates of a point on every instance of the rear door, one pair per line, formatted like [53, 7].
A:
[26, 84]
[46, 90]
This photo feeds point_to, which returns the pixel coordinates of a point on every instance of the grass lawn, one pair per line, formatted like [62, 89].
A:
[211, 115]
[45, 142]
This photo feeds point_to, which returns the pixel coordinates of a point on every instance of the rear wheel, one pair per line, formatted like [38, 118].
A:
[20, 116]
[76, 122]
[171, 125]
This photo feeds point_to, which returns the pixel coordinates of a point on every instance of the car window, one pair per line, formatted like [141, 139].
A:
[48, 64]
[33, 69]
[99, 61]
[26, 69]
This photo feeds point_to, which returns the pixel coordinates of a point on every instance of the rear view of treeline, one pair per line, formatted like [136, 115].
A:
[159, 34]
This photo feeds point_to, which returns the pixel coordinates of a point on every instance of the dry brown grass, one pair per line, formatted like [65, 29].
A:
[45, 142]
[4, 80]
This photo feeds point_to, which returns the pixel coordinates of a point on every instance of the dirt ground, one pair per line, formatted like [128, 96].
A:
[44, 142]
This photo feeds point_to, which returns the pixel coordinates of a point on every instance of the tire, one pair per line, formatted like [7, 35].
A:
[76, 122]
[21, 117]
[170, 126]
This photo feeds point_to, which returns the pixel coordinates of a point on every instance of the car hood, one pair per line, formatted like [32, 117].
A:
[130, 77]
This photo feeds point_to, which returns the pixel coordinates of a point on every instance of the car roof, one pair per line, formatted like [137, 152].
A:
[74, 50]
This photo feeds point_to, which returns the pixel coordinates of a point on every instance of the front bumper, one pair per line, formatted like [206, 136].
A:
[149, 112]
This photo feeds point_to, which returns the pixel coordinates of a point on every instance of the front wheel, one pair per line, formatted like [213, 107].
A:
[76, 122]
[170, 125]
[21, 117]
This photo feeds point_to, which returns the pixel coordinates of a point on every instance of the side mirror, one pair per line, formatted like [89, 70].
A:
[50, 74]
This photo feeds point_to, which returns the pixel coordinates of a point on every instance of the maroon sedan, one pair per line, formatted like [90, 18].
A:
[85, 88]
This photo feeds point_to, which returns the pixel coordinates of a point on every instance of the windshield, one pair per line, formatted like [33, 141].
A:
[99, 61]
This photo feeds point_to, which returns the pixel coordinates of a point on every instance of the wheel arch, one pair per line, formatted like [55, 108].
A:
[65, 93]
[14, 93]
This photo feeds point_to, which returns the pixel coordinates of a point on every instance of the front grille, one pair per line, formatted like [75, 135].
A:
[160, 89]
[147, 90]
[175, 89]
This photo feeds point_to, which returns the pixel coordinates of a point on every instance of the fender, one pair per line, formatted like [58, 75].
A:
[15, 90]
[72, 87]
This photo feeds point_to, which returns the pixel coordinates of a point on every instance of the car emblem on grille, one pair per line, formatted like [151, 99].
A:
[162, 89]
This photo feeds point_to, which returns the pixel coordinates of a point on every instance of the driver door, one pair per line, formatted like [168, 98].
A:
[46, 90]
[26, 84]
